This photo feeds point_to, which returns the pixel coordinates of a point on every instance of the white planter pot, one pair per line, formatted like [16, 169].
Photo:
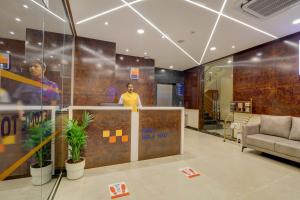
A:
[75, 170]
[42, 175]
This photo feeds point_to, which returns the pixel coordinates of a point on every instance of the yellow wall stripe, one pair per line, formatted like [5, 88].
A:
[19, 162]
[22, 79]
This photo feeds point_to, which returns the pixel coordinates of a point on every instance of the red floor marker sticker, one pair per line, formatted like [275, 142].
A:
[189, 172]
[117, 190]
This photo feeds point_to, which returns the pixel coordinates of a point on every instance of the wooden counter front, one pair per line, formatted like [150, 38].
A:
[109, 136]
[160, 132]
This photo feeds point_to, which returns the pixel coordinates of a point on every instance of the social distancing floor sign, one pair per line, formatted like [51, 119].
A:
[189, 172]
[118, 190]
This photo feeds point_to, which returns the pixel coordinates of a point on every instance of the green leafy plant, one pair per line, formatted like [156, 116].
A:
[76, 135]
[36, 135]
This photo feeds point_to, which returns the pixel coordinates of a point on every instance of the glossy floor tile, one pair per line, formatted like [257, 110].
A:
[226, 173]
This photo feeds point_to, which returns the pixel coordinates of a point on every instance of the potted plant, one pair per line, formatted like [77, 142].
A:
[41, 170]
[76, 138]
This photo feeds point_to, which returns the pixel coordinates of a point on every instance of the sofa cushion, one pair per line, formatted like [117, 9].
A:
[263, 141]
[295, 131]
[288, 147]
[276, 125]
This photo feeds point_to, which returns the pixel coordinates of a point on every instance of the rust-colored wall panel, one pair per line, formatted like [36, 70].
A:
[94, 71]
[272, 80]
[17, 56]
[145, 85]
[100, 151]
[159, 133]
[101, 76]
[194, 91]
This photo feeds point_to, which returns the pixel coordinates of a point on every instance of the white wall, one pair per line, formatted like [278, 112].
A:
[226, 93]
[192, 118]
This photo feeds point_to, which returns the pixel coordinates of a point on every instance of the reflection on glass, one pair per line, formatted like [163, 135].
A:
[35, 78]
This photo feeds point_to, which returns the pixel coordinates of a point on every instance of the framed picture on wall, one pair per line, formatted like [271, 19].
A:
[4, 60]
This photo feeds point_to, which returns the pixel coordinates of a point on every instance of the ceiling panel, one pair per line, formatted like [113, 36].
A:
[279, 25]
[181, 21]
[122, 30]
[33, 17]
[230, 33]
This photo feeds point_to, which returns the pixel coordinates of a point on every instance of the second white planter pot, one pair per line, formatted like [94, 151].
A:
[42, 175]
[75, 170]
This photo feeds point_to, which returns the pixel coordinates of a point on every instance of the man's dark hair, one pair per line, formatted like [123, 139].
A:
[128, 84]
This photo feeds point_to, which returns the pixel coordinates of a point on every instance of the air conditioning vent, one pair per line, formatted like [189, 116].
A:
[267, 8]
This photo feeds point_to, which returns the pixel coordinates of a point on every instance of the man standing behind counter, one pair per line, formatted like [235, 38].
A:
[130, 98]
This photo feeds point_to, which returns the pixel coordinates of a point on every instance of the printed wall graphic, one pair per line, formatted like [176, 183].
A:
[4, 61]
[112, 136]
[189, 172]
[134, 73]
[118, 190]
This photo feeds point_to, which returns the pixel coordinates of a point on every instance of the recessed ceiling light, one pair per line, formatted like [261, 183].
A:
[39, 43]
[106, 23]
[121, 58]
[233, 46]
[171, 67]
[255, 59]
[259, 54]
[145, 53]
[140, 31]
[213, 48]
[229, 61]
[18, 19]
[296, 21]
[127, 50]
[159, 31]
[25, 6]
[11, 32]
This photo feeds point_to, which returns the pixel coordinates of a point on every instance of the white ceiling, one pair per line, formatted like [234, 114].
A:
[33, 17]
[177, 18]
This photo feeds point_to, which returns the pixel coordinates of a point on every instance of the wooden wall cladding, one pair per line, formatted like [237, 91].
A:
[194, 91]
[94, 71]
[272, 80]
[101, 75]
[145, 85]
[102, 151]
[159, 133]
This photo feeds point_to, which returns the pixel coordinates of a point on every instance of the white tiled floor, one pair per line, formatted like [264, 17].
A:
[22, 189]
[226, 173]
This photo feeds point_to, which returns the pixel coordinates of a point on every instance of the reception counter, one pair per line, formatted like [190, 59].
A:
[118, 135]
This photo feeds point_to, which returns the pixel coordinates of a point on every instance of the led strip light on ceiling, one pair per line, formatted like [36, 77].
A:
[49, 11]
[213, 31]
[107, 12]
[158, 30]
[231, 18]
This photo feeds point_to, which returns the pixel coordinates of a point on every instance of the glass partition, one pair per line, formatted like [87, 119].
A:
[218, 95]
[35, 85]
